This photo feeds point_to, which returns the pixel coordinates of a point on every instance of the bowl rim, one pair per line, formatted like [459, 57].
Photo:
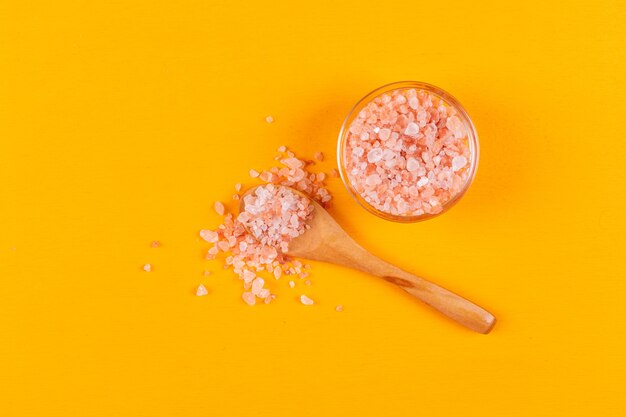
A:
[450, 100]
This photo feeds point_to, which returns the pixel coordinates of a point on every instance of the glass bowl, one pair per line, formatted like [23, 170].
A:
[449, 101]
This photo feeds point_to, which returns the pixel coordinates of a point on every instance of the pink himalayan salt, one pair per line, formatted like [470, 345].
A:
[319, 156]
[253, 173]
[269, 119]
[238, 187]
[407, 153]
[306, 300]
[219, 208]
[282, 149]
[307, 282]
[339, 308]
[209, 235]
[249, 298]
[277, 272]
[147, 267]
[257, 285]
[206, 273]
[249, 257]
[275, 215]
[236, 197]
[292, 284]
[201, 291]
[155, 244]
[334, 173]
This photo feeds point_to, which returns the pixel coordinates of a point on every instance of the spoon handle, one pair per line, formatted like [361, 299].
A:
[448, 303]
[348, 253]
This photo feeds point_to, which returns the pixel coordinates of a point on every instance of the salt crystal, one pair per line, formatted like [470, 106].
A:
[373, 179]
[277, 272]
[412, 129]
[412, 164]
[458, 162]
[147, 267]
[248, 275]
[307, 282]
[253, 173]
[269, 119]
[292, 284]
[282, 148]
[319, 156]
[257, 285]
[155, 244]
[339, 308]
[375, 155]
[422, 182]
[306, 300]
[249, 298]
[206, 273]
[219, 208]
[238, 187]
[209, 235]
[384, 134]
[201, 291]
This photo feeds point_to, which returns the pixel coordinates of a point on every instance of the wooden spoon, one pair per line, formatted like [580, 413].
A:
[326, 241]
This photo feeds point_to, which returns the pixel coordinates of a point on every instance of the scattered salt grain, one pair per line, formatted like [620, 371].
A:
[307, 282]
[269, 119]
[147, 267]
[339, 308]
[201, 291]
[319, 156]
[249, 298]
[206, 273]
[306, 300]
[255, 242]
[257, 285]
[219, 208]
[277, 272]
[238, 187]
[155, 244]
[292, 284]
[282, 148]
[209, 235]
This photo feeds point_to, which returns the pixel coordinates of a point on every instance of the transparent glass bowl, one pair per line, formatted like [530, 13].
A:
[450, 101]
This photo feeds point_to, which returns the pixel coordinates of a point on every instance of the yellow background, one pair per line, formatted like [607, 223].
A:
[121, 122]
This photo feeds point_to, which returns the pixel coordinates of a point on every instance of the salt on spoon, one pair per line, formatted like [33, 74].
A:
[306, 230]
